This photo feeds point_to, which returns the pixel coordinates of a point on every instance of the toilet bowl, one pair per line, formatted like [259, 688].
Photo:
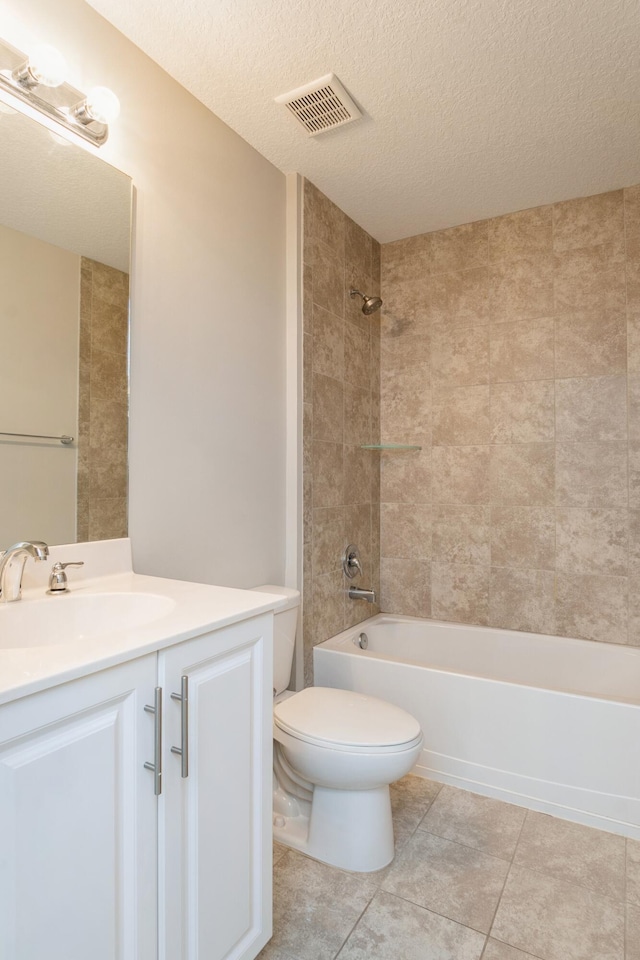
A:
[335, 754]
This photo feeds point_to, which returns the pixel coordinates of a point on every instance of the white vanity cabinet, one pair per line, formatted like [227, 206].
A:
[92, 863]
[78, 835]
[215, 822]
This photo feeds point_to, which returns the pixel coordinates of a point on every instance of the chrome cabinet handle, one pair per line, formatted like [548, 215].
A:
[156, 766]
[183, 749]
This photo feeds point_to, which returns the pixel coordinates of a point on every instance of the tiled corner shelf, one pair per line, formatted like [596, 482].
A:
[390, 446]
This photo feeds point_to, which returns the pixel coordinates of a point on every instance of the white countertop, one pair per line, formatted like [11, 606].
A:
[198, 609]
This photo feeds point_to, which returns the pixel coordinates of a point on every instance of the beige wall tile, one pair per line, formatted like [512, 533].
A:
[359, 465]
[522, 412]
[357, 356]
[592, 474]
[406, 405]
[109, 326]
[460, 592]
[588, 221]
[632, 222]
[460, 474]
[521, 289]
[592, 540]
[522, 473]
[522, 600]
[634, 543]
[460, 356]
[461, 534]
[328, 222]
[590, 345]
[461, 296]
[523, 350]
[328, 475]
[459, 248]
[357, 522]
[107, 519]
[376, 253]
[406, 309]
[633, 343]
[328, 344]
[357, 415]
[107, 479]
[109, 425]
[398, 353]
[591, 409]
[405, 531]
[589, 278]
[328, 409]
[527, 233]
[634, 611]
[405, 476]
[633, 285]
[461, 415]
[328, 606]
[358, 246]
[405, 588]
[328, 540]
[592, 607]
[307, 367]
[108, 376]
[328, 279]
[523, 537]
[307, 298]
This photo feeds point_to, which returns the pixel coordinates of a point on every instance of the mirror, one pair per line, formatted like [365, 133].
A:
[65, 226]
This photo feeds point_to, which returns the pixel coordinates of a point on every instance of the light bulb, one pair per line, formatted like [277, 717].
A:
[47, 66]
[102, 105]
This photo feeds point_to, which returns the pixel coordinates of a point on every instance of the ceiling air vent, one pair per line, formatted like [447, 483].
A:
[321, 105]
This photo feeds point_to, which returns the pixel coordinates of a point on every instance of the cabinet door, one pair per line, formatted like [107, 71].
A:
[215, 825]
[78, 820]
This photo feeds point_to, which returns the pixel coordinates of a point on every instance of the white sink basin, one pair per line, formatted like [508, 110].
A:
[53, 620]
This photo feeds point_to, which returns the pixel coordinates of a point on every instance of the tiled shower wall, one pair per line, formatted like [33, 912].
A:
[511, 354]
[103, 402]
[341, 412]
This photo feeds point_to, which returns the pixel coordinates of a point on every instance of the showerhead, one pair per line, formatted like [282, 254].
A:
[369, 304]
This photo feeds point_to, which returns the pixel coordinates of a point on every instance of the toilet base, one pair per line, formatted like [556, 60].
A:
[349, 829]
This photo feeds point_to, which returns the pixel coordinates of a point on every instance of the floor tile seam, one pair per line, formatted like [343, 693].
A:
[511, 864]
[572, 883]
[459, 843]
[434, 913]
[526, 953]
[357, 921]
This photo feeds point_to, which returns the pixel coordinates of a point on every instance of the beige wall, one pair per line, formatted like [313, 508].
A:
[341, 412]
[38, 388]
[207, 461]
[103, 402]
[511, 353]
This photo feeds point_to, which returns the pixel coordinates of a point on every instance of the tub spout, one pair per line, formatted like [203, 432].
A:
[357, 593]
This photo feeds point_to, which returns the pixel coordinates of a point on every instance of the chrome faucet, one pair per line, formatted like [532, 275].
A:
[358, 593]
[12, 564]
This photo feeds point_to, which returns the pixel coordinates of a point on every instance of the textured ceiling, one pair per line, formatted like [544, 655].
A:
[473, 108]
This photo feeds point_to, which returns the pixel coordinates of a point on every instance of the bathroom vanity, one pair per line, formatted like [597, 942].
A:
[135, 766]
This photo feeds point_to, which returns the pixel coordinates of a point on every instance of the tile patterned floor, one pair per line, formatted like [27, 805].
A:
[473, 879]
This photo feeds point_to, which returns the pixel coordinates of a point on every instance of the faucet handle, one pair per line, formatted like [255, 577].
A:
[58, 582]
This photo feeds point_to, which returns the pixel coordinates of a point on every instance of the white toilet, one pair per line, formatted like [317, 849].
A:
[335, 754]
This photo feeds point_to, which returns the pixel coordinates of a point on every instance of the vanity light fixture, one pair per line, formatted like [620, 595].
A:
[39, 81]
[45, 66]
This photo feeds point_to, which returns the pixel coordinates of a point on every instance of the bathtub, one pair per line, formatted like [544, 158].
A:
[549, 723]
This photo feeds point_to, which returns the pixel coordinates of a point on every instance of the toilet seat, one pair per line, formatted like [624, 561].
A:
[346, 721]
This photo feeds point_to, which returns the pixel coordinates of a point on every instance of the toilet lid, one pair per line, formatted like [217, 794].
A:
[344, 717]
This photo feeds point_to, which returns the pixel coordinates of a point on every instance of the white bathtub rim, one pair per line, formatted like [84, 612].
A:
[336, 643]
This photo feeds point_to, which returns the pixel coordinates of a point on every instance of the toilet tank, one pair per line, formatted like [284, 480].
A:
[284, 632]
